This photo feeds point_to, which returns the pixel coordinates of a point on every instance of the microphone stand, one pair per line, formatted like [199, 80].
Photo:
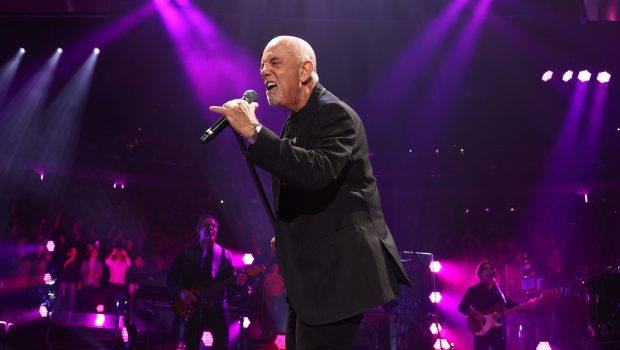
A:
[266, 205]
[501, 294]
[259, 187]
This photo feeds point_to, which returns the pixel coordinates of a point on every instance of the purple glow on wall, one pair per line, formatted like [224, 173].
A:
[595, 124]
[110, 33]
[216, 69]
[412, 62]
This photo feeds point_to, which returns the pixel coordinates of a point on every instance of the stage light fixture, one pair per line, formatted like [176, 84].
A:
[59, 50]
[584, 76]
[442, 344]
[435, 297]
[47, 278]
[50, 246]
[119, 184]
[435, 328]
[99, 320]
[96, 51]
[603, 77]
[568, 75]
[547, 76]
[248, 259]
[43, 310]
[280, 341]
[246, 322]
[22, 50]
[435, 266]
[543, 345]
[207, 339]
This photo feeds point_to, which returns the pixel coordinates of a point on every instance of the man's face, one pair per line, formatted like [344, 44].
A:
[487, 273]
[280, 70]
[208, 231]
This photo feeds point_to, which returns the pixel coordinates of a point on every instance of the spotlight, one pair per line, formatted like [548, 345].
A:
[47, 305]
[435, 266]
[435, 328]
[248, 259]
[547, 76]
[543, 345]
[59, 50]
[442, 344]
[207, 339]
[603, 77]
[567, 76]
[435, 297]
[48, 279]
[584, 76]
[50, 246]
[96, 51]
[43, 310]
[280, 341]
[100, 308]
[99, 320]
[22, 50]
[125, 335]
[246, 322]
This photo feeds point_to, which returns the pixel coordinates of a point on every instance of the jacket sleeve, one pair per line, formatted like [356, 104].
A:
[314, 167]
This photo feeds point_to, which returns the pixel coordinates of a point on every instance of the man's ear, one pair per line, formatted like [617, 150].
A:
[305, 72]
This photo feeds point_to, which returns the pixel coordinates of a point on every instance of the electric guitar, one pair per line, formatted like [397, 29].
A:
[202, 294]
[492, 318]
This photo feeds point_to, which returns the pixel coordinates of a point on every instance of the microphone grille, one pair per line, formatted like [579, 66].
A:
[250, 96]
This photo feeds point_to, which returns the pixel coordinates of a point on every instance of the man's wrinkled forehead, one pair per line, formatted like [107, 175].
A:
[278, 49]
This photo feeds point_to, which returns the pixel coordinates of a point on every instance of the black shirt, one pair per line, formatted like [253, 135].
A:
[481, 298]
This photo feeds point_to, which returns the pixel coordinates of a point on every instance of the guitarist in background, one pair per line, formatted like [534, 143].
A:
[482, 297]
[197, 267]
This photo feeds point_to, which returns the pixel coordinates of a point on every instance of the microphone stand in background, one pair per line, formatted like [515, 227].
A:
[504, 302]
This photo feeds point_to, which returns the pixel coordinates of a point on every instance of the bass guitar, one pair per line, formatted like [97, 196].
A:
[203, 294]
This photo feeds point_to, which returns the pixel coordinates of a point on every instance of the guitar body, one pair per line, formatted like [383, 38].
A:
[491, 319]
[204, 295]
[185, 311]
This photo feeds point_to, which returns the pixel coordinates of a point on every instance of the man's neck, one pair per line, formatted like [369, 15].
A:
[304, 96]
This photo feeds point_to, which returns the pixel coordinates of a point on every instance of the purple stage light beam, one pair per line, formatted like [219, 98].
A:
[8, 73]
[216, 69]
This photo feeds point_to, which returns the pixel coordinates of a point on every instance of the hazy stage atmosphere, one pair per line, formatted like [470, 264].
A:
[494, 134]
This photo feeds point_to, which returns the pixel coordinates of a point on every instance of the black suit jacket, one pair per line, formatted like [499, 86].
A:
[337, 255]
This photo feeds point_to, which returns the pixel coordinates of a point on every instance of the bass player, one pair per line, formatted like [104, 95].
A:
[198, 267]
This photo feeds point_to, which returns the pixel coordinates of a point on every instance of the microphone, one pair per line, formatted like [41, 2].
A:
[209, 134]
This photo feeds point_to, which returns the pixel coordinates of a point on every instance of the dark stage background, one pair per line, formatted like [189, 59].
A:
[475, 155]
